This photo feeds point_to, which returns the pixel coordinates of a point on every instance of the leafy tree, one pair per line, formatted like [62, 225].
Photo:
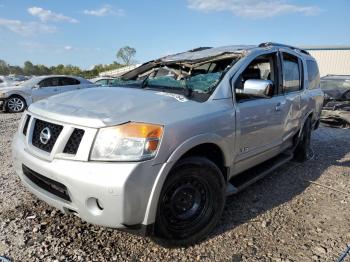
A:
[4, 68]
[17, 70]
[126, 54]
[30, 69]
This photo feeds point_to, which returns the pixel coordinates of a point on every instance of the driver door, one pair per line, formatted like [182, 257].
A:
[259, 120]
[46, 87]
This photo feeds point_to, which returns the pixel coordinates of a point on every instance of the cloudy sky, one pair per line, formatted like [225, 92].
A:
[86, 33]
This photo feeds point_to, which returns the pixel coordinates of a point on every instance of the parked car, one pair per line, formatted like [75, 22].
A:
[15, 99]
[6, 81]
[159, 154]
[102, 81]
[336, 108]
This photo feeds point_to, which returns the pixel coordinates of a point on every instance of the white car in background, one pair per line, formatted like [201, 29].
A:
[6, 81]
[15, 99]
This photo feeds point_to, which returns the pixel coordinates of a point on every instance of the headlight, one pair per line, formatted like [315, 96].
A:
[127, 142]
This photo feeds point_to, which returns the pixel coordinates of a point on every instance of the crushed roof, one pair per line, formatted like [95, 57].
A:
[203, 53]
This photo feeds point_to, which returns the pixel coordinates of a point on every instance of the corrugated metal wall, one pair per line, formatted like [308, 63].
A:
[335, 62]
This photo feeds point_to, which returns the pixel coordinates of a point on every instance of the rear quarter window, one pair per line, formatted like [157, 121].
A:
[313, 74]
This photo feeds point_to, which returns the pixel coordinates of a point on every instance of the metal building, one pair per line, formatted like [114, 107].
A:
[333, 60]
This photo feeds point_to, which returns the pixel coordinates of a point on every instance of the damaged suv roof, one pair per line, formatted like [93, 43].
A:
[200, 53]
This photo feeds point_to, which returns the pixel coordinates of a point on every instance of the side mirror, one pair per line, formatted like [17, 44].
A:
[257, 87]
[36, 86]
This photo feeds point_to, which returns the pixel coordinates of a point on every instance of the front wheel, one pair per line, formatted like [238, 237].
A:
[191, 202]
[15, 104]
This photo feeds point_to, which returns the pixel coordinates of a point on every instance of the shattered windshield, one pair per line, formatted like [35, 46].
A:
[202, 83]
[201, 77]
[335, 84]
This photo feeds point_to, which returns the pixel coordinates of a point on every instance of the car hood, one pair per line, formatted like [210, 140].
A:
[4, 89]
[107, 106]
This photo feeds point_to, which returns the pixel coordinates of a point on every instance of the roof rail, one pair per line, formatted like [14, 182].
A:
[199, 49]
[267, 44]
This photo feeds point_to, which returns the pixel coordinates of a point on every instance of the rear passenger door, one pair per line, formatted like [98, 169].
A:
[68, 84]
[292, 69]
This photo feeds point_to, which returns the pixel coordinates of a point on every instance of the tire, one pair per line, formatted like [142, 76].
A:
[303, 150]
[15, 104]
[191, 202]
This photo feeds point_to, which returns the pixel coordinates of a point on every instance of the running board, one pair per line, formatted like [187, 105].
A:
[250, 176]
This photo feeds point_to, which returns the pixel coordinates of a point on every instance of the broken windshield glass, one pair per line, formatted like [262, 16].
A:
[188, 78]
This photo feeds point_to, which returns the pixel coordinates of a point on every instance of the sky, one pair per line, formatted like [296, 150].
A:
[90, 32]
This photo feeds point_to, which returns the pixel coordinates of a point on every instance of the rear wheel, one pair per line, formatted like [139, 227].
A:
[15, 104]
[303, 150]
[191, 202]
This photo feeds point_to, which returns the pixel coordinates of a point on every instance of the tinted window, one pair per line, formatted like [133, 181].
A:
[313, 74]
[67, 81]
[53, 81]
[291, 73]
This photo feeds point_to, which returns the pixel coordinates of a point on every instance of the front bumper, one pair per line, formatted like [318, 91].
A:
[103, 193]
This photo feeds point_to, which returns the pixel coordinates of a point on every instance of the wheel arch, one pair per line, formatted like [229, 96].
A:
[309, 115]
[186, 149]
[19, 96]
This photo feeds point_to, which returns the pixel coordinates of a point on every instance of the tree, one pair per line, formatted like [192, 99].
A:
[28, 68]
[126, 54]
[4, 68]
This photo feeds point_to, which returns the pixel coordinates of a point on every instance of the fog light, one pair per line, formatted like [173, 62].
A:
[94, 206]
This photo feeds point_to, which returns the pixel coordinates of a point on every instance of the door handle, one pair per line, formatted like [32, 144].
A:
[278, 107]
[55, 90]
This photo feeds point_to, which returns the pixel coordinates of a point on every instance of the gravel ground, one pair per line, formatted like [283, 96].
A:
[280, 218]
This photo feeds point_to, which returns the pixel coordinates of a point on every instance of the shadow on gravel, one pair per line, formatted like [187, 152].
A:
[285, 183]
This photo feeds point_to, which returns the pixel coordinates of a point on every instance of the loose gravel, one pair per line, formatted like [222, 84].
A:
[283, 217]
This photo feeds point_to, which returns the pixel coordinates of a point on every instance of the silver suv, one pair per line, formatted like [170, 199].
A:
[159, 153]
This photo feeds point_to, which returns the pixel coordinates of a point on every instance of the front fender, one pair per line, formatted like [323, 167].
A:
[152, 206]
[26, 96]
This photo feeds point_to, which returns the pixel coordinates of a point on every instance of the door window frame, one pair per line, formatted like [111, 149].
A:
[301, 72]
[277, 72]
[49, 78]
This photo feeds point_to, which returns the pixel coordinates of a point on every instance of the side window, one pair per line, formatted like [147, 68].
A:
[263, 67]
[291, 73]
[313, 74]
[67, 81]
[52, 81]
